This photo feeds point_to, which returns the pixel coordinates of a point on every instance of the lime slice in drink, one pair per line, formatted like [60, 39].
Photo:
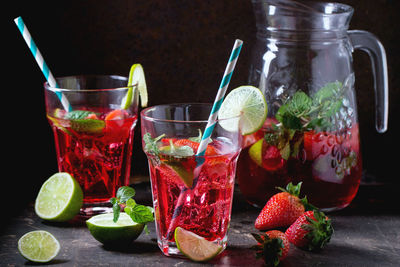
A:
[136, 76]
[105, 230]
[195, 247]
[91, 126]
[255, 152]
[247, 101]
[38, 246]
[60, 198]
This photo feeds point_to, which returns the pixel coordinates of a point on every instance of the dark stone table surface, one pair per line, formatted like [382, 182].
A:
[367, 233]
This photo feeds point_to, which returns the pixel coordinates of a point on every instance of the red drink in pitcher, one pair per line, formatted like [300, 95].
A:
[313, 139]
[94, 146]
[328, 164]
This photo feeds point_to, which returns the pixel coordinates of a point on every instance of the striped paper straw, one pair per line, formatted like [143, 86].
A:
[219, 97]
[40, 61]
[208, 130]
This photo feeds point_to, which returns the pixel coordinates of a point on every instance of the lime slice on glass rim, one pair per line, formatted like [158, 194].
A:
[195, 247]
[38, 246]
[136, 76]
[249, 103]
[106, 231]
[59, 199]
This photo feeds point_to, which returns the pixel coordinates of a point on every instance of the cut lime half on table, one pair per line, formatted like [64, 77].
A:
[249, 103]
[38, 246]
[105, 230]
[195, 247]
[60, 198]
[136, 76]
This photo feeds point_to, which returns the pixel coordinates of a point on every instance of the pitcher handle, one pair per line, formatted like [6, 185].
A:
[370, 44]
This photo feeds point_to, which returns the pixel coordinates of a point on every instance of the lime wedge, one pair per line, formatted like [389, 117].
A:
[91, 126]
[106, 231]
[185, 175]
[60, 198]
[255, 152]
[195, 247]
[247, 101]
[136, 76]
[38, 246]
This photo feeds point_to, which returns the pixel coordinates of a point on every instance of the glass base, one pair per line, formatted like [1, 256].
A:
[328, 210]
[171, 250]
[91, 209]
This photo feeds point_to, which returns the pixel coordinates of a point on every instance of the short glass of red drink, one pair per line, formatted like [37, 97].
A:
[94, 137]
[189, 191]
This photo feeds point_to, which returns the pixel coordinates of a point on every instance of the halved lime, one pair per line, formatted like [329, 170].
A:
[38, 246]
[247, 101]
[60, 198]
[136, 76]
[255, 152]
[105, 230]
[195, 247]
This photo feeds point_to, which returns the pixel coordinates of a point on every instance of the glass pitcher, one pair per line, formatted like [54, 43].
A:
[302, 62]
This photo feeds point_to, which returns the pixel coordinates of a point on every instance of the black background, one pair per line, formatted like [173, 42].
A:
[183, 46]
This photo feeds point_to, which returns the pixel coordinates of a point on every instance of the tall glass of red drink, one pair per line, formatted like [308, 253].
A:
[193, 192]
[94, 138]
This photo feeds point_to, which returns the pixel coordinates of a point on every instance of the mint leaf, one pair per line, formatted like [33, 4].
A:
[151, 143]
[327, 92]
[141, 214]
[124, 193]
[78, 114]
[177, 151]
[300, 104]
[291, 122]
[116, 208]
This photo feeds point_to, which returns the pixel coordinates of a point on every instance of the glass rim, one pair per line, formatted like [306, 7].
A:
[152, 119]
[331, 8]
[117, 77]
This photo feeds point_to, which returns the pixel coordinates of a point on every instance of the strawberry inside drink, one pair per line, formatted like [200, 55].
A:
[94, 146]
[207, 206]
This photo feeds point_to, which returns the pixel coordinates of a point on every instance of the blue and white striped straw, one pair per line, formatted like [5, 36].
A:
[208, 131]
[40, 61]
[219, 97]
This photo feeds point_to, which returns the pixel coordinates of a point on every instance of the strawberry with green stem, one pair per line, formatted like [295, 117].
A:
[273, 246]
[283, 208]
[311, 231]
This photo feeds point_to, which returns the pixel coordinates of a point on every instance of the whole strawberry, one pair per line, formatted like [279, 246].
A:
[311, 231]
[282, 209]
[273, 246]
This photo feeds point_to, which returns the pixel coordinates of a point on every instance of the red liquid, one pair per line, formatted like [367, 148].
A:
[328, 164]
[206, 209]
[99, 161]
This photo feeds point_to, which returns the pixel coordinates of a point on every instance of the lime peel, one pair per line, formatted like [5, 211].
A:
[195, 247]
[136, 78]
[106, 231]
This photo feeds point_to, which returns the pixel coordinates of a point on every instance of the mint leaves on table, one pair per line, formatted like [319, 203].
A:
[302, 113]
[138, 213]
